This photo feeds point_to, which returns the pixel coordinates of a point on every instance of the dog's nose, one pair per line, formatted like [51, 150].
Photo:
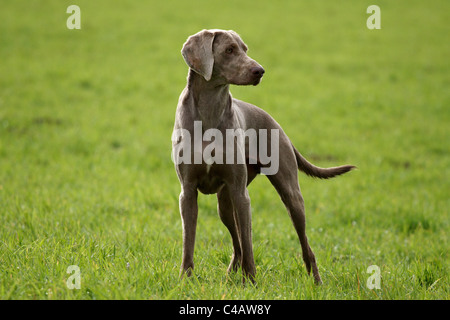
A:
[257, 71]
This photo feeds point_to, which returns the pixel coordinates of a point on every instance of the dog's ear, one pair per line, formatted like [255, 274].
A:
[198, 53]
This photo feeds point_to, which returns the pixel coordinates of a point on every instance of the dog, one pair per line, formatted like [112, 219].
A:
[217, 59]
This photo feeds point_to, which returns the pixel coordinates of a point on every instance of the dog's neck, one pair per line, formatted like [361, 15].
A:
[211, 99]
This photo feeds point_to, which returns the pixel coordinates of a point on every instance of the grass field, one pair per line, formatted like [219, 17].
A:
[86, 178]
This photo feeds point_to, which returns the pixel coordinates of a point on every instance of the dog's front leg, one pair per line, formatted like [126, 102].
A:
[243, 218]
[189, 212]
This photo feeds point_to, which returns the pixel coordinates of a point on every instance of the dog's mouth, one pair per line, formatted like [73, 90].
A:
[256, 81]
[252, 79]
[257, 73]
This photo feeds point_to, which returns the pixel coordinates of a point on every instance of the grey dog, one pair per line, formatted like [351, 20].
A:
[216, 59]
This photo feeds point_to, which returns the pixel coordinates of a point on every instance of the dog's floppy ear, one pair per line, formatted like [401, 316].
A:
[198, 53]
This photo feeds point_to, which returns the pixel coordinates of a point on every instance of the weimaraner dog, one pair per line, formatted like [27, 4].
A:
[216, 59]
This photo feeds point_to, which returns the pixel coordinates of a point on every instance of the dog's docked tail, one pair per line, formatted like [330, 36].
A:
[317, 172]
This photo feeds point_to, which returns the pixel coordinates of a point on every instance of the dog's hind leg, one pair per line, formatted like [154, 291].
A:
[286, 184]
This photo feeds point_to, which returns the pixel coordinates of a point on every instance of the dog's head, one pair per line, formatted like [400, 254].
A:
[221, 55]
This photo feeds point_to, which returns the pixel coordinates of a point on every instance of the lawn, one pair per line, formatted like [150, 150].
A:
[86, 177]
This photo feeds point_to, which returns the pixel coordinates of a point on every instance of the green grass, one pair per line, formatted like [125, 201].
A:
[86, 177]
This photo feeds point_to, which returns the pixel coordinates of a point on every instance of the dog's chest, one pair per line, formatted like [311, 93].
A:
[209, 182]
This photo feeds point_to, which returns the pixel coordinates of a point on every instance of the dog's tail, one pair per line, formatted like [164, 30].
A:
[317, 172]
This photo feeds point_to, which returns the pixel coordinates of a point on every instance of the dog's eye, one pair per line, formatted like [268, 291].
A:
[229, 50]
